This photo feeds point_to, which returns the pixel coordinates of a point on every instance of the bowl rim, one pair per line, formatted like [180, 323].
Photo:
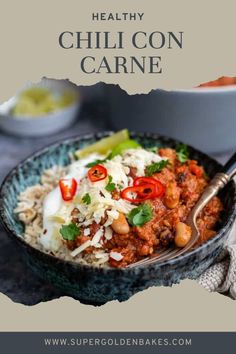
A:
[99, 135]
[207, 89]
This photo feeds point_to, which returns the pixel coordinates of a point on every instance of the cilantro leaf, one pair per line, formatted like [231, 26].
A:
[156, 167]
[140, 215]
[97, 162]
[182, 153]
[94, 163]
[110, 187]
[86, 199]
[70, 232]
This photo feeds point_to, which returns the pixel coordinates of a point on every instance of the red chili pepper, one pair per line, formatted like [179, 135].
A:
[97, 173]
[68, 188]
[143, 192]
[144, 180]
[160, 189]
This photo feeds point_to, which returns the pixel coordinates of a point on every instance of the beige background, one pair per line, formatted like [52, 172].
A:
[184, 307]
[29, 33]
[29, 50]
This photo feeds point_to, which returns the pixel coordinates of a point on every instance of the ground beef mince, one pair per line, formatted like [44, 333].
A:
[186, 186]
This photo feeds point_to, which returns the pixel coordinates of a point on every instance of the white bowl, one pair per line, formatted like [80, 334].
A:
[44, 124]
[202, 117]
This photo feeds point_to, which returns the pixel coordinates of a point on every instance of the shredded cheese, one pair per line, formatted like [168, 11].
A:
[87, 231]
[96, 237]
[139, 159]
[81, 248]
[108, 233]
[102, 206]
[116, 256]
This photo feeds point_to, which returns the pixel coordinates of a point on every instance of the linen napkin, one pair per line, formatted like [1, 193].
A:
[221, 276]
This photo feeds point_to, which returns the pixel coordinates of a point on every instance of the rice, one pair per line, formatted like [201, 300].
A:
[30, 212]
[30, 204]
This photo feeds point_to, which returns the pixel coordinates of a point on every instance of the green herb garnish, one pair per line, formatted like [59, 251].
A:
[98, 162]
[70, 232]
[110, 187]
[140, 215]
[156, 167]
[94, 163]
[182, 153]
[86, 199]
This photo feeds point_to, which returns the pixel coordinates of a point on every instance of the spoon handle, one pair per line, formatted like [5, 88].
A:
[219, 181]
[215, 185]
[230, 166]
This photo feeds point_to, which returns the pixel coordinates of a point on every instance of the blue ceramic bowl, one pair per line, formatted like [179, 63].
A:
[99, 285]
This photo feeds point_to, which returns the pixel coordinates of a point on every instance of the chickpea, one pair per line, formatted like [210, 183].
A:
[120, 225]
[172, 195]
[183, 234]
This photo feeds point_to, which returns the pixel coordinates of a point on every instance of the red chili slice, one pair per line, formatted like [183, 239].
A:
[143, 192]
[68, 188]
[143, 180]
[97, 173]
[160, 189]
